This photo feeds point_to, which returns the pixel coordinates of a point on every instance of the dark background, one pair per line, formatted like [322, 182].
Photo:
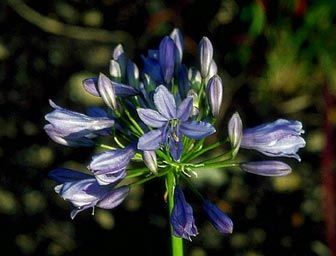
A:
[276, 58]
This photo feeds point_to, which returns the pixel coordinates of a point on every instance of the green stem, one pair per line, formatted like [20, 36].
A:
[223, 164]
[176, 242]
[106, 146]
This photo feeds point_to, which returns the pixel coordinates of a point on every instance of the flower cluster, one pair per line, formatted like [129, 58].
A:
[160, 117]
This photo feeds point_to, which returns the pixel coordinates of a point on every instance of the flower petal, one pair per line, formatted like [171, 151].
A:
[112, 161]
[61, 175]
[151, 117]
[113, 198]
[197, 130]
[151, 140]
[184, 111]
[164, 102]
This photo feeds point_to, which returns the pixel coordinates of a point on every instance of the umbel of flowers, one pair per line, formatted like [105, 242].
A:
[160, 116]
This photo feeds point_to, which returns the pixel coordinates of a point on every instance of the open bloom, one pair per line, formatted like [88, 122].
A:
[279, 138]
[182, 218]
[172, 122]
[83, 191]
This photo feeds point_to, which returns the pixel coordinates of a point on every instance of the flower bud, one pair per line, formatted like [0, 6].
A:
[235, 130]
[167, 58]
[106, 91]
[205, 51]
[215, 94]
[218, 218]
[120, 56]
[267, 168]
[149, 158]
[132, 74]
[177, 37]
[115, 70]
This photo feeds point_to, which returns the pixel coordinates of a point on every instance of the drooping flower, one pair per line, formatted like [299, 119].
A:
[72, 128]
[218, 218]
[83, 191]
[172, 122]
[182, 219]
[277, 139]
[267, 168]
[110, 166]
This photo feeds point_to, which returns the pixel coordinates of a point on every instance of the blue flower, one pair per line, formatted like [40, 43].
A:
[267, 168]
[83, 191]
[276, 139]
[74, 129]
[110, 166]
[218, 218]
[172, 122]
[182, 219]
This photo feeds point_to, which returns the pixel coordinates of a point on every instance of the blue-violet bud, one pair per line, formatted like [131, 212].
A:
[235, 131]
[205, 51]
[266, 168]
[215, 94]
[218, 218]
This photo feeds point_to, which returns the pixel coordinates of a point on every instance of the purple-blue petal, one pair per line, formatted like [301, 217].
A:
[197, 130]
[113, 198]
[151, 140]
[151, 117]
[184, 110]
[164, 102]
[61, 175]
[112, 161]
[153, 69]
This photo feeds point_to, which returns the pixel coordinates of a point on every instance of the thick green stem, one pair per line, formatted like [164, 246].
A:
[176, 242]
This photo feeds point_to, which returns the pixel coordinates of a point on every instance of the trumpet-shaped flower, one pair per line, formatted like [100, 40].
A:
[83, 191]
[171, 122]
[110, 166]
[72, 128]
[279, 138]
[182, 218]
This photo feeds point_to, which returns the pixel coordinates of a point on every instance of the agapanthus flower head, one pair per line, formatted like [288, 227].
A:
[159, 117]
[83, 191]
[281, 138]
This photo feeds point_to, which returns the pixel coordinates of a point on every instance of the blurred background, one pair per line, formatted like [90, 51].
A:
[277, 59]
